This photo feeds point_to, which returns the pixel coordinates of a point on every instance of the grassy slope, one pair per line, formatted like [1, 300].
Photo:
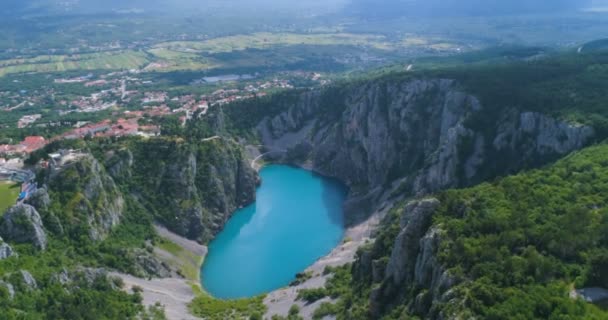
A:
[9, 192]
[184, 260]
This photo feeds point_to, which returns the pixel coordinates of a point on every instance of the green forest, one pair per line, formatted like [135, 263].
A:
[518, 246]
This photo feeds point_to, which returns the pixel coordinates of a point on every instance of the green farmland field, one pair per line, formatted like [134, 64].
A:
[94, 61]
[265, 40]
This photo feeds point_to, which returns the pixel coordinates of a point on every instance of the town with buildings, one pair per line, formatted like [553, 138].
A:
[126, 102]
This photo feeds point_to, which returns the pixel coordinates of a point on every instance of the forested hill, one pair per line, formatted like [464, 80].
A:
[95, 213]
[511, 249]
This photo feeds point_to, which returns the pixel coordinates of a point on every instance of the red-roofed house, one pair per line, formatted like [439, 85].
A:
[33, 143]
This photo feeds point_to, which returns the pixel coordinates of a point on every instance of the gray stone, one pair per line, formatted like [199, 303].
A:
[9, 287]
[40, 199]
[148, 265]
[378, 268]
[102, 203]
[412, 134]
[62, 277]
[231, 180]
[6, 251]
[87, 276]
[592, 294]
[22, 224]
[28, 280]
[414, 223]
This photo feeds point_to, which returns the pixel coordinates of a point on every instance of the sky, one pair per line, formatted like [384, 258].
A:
[368, 8]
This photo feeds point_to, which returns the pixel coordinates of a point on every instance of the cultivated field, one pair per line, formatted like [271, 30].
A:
[264, 40]
[94, 61]
[173, 60]
[239, 52]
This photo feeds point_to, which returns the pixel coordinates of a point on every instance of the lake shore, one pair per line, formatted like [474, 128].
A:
[279, 301]
[173, 293]
[176, 293]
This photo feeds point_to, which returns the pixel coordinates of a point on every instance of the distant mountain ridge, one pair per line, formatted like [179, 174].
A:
[11, 7]
[396, 8]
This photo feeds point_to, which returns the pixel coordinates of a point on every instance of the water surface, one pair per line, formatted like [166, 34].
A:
[296, 219]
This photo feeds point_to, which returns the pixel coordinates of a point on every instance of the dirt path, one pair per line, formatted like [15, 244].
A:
[173, 293]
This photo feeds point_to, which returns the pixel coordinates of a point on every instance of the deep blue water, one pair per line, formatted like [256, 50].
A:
[296, 219]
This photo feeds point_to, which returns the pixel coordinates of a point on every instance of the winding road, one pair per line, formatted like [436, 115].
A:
[253, 165]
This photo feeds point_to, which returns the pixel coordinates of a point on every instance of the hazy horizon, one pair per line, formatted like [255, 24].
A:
[365, 8]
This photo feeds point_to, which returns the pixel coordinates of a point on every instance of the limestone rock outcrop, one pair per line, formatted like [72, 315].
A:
[40, 199]
[192, 189]
[94, 199]
[6, 251]
[412, 264]
[9, 289]
[22, 224]
[147, 265]
[27, 280]
[414, 223]
[417, 136]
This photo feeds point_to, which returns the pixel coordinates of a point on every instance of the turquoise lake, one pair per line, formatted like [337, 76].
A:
[296, 219]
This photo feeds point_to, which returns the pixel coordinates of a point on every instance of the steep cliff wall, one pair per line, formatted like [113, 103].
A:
[192, 188]
[83, 198]
[419, 136]
[412, 271]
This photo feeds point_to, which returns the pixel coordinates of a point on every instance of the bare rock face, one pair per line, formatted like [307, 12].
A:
[192, 190]
[62, 277]
[120, 165]
[22, 281]
[95, 198]
[544, 134]
[88, 276]
[147, 265]
[40, 199]
[83, 277]
[413, 263]
[100, 189]
[22, 224]
[416, 135]
[28, 280]
[431, 275]
[6, 251]
[9, 289]
[233, 182]
[414, 223]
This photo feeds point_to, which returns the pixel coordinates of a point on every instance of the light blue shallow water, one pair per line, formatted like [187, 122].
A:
[296, 219]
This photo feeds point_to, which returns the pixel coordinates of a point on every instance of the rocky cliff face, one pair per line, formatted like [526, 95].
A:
[6, 251]
[418, 135]
[87, 194]
[193, 189]
[83, 277]
[412, 271]
[22, 224]
[414, 223]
